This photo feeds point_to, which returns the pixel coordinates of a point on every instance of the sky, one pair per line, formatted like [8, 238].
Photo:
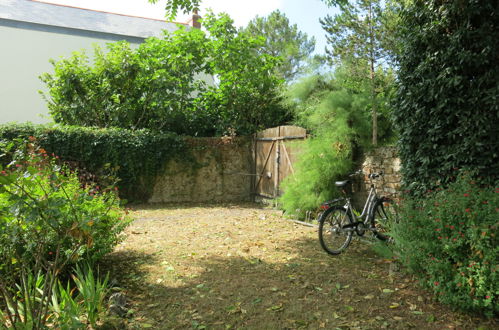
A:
[304, 13]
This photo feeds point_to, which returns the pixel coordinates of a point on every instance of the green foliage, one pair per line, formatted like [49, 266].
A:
[284, 41]
[449, 239]
[66, 308]
[339, 124]
[45, 213]
[356, 32]
[138, 156]
[247, 97]
[146, 87]
[353, 78]
[166, 84]
[91, 293]
[339, 3]
[173, 6]
[361, 38]
[47, 222]
[446, 107]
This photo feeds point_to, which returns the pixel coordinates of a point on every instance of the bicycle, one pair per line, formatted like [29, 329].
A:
[340, 220]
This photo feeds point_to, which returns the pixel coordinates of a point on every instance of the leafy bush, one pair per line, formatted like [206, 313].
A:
[449, 239]
[45, 213]
[168, 85]
[446, 108]
[47, 223]
[138, 155]
[339, 123]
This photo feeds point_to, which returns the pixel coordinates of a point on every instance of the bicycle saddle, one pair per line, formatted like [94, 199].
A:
[341, 183]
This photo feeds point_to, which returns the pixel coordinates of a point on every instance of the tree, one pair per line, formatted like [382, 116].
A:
[447, 106]
[283, 40]
[357, 35]
[247, 96]
[173, 6]
[161, 85]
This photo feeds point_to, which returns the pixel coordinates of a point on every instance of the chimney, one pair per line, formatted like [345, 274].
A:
[194, 21]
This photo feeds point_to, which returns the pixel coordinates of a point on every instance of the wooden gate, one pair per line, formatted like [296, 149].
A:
[274, 157]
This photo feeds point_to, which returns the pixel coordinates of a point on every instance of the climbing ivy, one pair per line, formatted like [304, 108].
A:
[136, 156]
[447, 106]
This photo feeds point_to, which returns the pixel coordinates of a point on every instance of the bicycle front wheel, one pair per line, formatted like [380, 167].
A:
[333, 235]
[384, 214]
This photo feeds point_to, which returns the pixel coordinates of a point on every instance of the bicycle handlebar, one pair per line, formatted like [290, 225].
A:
[356, 173]
[370, 175]
[375, 175]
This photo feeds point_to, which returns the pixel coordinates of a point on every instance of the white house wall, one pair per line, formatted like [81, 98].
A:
[33, 32]
[25, 56]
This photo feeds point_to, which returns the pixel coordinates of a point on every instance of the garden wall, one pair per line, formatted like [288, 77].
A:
[220, 170]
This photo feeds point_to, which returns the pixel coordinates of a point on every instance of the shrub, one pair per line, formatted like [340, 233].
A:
[339, 124]
[45, 213]
[47, 223]
[138, 156]
[446, 107]
[449, 239]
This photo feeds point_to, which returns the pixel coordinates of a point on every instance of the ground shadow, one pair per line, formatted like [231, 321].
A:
[309, 290]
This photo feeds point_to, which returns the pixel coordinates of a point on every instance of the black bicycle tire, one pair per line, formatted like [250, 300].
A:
[380, 215]
[322, 221]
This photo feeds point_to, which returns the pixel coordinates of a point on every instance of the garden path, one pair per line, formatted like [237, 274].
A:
[233, 267]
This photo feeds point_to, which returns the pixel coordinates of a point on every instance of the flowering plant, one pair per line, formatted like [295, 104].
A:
[48, 222]
[449, 238]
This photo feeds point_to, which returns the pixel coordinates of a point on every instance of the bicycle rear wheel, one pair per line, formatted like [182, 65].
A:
[332, 234]
[384, 214]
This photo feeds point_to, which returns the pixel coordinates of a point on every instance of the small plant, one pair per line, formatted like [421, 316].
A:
[64, 308]
[450, 239]
[92, 292]
[83, 304]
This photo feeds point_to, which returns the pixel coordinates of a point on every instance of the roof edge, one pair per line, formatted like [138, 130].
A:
[107, 12]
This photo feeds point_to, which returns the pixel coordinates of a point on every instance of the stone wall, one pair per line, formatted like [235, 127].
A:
[220, 171]
[380, 159]
[383, 159]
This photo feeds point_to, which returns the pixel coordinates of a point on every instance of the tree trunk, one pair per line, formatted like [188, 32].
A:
[374, 106]
[373, 82]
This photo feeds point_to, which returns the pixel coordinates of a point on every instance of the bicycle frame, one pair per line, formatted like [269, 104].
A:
[367, 210]
[340, 218]
[368, 206]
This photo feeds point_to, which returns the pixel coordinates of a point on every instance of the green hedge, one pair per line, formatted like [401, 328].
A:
[138, 156]
[447, 106]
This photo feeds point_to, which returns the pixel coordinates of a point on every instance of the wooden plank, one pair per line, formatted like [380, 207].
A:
[266, 169]
[277, 169]
[290, 130]
[265, 164]
[285, 152]
[269, 132]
